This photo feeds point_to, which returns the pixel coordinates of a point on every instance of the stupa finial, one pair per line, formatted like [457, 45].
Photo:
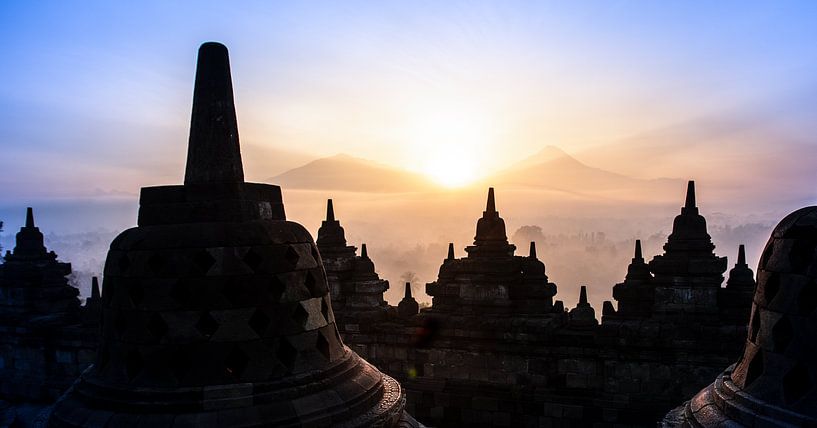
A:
[363, 252]
[532, 253]
[408, 290]
[213, 152]
[330, 211]
[690, 202]
[490, 207]
[450, 251]
[741, 255]
[29, 217]
[638, 254]
[583, 296]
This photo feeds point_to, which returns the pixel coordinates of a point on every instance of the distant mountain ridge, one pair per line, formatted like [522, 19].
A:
[348, 173]
[550, 169]
[553, 168]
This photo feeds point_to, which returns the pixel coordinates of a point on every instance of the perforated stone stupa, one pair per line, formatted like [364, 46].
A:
[774, 383]
[216, 309]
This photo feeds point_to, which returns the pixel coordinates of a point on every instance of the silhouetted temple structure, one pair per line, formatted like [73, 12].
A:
[216, 310]
[774, 382]
[491, 279]
[46, 337]
[495, 350]
[356, 289]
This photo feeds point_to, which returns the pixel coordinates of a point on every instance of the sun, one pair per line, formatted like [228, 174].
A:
[449, 143]
[450, 167]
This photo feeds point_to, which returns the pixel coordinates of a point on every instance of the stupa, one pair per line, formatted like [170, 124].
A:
[688, 276]
[583, 315]
[735, 300]
[774, 383]
[636, 294]
[216, 309]
[34, 284]
[356, 288]
[491, 279]
[408, 307]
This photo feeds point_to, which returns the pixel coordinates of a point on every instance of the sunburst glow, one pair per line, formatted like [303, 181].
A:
[450, 144]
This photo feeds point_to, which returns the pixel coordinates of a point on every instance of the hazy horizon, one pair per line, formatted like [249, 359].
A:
[588, 118]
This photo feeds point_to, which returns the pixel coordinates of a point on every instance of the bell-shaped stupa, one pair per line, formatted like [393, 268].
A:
[774, 383]
[216, 310]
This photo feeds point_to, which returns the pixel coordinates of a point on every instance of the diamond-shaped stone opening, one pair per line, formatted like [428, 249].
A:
[157, 326]
[796, 383]
[236, 362]
[755, 368]
[136, 293]
[232, 291]
[782, 334]
[315, 290]
[203, 261]
[807, 301]
[801, 254]
[180, 293]
[157, 263]
[755, 326]
[772, 287]
[276, 288]
[325, 310]
[133, 364]
[323, 346]
[286, 353]
[299, 314]
[292, 256]
[252, 259]
[206, 325]
[179, 364]
[259, 322]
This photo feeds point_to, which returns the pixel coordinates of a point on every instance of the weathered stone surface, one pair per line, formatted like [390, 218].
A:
[773, 383]
[216, 309]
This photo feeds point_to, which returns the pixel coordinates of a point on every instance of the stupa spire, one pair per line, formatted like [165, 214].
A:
[490, 206]
[532, 253]
[363, 252]
[583, 296]
[408, 291]
[690, 201]
[330, 211]
[450, 251]
[741, 255]
[213, 153]
[29, 217]
[638, 255]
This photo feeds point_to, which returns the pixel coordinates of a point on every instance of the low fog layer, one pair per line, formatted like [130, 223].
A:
[581, 241]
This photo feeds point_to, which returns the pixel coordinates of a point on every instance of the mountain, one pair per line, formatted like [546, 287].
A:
[344, 172]
[261, 161]
[553, 169]
[762, 153]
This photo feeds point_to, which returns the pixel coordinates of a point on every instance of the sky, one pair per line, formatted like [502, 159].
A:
[96, 95]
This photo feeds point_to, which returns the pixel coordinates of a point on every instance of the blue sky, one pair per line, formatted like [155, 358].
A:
[96, 95]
